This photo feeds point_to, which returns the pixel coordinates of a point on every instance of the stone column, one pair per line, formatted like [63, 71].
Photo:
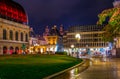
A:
[24, 36]
[8, 35]
[1, 32]
[14, 35]
[8, 50]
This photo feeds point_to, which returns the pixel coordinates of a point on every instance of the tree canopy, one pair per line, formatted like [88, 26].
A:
[112, 27]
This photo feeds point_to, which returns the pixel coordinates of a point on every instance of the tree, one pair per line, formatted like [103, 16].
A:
[112, 28]
[23, 46]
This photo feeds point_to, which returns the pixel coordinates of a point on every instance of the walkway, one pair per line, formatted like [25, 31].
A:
[100, 68]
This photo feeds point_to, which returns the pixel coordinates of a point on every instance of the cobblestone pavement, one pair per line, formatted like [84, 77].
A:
[99, 68]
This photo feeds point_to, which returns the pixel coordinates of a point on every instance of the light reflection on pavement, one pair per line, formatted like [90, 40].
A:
[71, 74]
[98, 68]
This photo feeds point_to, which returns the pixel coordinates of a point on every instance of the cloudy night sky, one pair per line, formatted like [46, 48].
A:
[42, 13]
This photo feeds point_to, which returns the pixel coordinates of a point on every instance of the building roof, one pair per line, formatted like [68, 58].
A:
[54, 31]
[86, 28]
[32, 33]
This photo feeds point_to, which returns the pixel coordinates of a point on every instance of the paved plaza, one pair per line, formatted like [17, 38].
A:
[102, 69]
[99, 68]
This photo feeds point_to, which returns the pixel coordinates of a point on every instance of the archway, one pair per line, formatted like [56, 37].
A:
[39, 52]
[16, 50]
[4, 50]
[11, 50]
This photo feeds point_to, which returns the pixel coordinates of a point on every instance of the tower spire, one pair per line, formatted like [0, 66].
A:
[46, 33]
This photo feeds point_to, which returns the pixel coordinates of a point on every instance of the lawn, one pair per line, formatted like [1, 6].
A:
[34, 66]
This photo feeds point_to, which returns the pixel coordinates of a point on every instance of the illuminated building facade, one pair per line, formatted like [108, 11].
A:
[37, 44]
[14, 31]
[54, 39]
[90, 38]
[51, 43]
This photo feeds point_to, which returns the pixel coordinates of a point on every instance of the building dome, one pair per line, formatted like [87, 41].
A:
[13, 11]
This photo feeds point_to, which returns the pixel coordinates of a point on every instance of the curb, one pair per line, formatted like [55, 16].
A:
[53, 75]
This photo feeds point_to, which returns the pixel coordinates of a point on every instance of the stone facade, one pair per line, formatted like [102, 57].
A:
[12, 43]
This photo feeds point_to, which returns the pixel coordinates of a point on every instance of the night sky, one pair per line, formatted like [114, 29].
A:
[42, 13]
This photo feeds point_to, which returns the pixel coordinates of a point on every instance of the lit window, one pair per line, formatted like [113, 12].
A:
[21, 36]
[26, 37]
[11, 35]
[4, 34]
[16, 36]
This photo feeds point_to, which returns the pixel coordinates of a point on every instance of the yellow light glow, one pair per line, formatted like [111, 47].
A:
[77, 36]
[72, 46]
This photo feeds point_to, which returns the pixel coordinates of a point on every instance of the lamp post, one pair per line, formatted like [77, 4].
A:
[86, 49]
[77, 36]
[72, 46]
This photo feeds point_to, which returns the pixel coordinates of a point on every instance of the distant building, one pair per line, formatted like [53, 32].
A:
[37, 44]
[54, 38]
[90, 37]
[14, 31]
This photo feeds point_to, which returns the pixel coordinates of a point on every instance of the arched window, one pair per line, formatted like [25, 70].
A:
[4, 50]
[4, 34]
[16, 50]
[21, 36]
[11, 50]
[16, 36]
[11, 35]
[26, 37]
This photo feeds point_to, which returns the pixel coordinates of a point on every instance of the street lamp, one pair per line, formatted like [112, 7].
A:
[87, 49]
[77, 36]
[72, 46]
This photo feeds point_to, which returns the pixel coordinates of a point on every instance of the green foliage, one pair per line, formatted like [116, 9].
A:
[23, 46]
[61, 53]
[112, 29]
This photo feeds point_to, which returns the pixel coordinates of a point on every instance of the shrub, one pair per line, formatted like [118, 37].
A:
[61, 53]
